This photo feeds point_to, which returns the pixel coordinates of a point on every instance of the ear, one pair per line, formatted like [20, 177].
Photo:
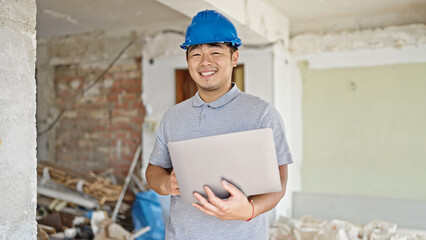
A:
[235, 58]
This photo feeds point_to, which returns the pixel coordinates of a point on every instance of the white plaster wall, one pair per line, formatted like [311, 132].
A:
[17, 120]
[350, 53]
[258, 73]
[158, 96]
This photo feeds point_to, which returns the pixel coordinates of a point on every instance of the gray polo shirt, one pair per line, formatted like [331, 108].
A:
[233, 112]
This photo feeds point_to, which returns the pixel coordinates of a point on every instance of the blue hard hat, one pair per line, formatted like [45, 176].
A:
[209, 26]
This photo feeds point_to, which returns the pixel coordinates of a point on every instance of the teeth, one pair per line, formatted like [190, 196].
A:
[207, 73]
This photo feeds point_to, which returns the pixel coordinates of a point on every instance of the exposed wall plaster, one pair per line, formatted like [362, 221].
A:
[91, 48]
[151, 29]
[378, 14]
[162, 45]
[393, 37]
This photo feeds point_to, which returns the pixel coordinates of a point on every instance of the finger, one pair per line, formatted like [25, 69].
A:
[199, 197]
[173, 180]
[231, 188]
[175, 193]
[213, 198]
[173, 177]
[202, 201]
[206, 204]
[174, 184]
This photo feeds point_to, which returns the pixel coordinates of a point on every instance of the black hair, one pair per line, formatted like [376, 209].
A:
[231, 47]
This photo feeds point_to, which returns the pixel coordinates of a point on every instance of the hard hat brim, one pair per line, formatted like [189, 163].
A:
[236, 43]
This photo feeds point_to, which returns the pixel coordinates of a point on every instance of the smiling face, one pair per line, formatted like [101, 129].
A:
[210, 66]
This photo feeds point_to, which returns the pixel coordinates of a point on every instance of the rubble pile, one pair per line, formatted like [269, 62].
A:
[74, 205]
[308, 228]
[94, 185]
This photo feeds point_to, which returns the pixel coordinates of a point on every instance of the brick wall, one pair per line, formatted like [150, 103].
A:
[103, 127]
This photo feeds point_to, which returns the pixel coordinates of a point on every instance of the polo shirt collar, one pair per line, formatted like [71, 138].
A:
[226, 98]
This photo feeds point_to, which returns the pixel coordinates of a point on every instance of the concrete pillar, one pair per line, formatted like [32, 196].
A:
[17, 120]
[287, 93]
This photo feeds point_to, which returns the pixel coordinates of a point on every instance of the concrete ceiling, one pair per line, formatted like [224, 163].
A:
[64, 17]
[337, 15]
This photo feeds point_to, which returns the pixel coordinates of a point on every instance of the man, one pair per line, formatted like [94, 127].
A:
[218, 107]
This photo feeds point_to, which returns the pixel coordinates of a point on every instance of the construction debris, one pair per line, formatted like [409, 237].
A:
[44, 231]
[308, 228]
[74, 205]
[63, 194]
[108, 230]
[94, 185]
[126, 183]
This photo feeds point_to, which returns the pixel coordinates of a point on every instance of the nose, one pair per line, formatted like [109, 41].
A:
[206, 60]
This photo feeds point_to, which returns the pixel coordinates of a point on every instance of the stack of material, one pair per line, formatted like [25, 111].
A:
[62, 225]
[308, 228]
[93, 185]
[67, 200]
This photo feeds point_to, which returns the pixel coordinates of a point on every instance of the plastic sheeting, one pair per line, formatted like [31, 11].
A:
[146, 211]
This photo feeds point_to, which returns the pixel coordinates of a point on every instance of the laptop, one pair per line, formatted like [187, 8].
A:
[246, 159]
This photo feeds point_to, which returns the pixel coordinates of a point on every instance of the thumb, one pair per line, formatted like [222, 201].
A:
[231, 188]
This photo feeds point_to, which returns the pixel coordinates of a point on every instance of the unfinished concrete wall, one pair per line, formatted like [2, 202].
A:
[103, 127]
[372, 39]
[46, 107]
[17, 120]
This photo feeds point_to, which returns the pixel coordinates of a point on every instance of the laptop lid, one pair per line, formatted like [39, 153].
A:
[246, 159]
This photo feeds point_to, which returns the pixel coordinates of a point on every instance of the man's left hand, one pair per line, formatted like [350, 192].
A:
[236, 207]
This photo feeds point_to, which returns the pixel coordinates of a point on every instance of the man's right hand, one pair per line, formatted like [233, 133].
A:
[172, 186]
[162, 180]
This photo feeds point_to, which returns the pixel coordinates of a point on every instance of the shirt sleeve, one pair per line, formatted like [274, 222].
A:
[272, 119]
[160, 153]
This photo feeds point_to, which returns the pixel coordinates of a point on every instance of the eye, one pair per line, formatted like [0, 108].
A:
[216, 53]
[195, 55]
